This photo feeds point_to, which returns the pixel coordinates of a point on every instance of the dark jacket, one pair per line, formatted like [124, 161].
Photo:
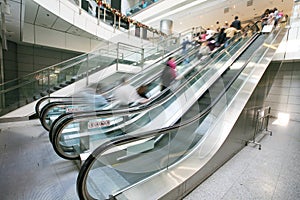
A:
[236, 24]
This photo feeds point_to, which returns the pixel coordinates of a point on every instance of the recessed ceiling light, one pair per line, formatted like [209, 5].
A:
[47, 15]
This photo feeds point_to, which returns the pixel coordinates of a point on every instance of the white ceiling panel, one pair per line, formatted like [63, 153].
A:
[61, 25]
[75, 31]
[31, 9]
[45, 18]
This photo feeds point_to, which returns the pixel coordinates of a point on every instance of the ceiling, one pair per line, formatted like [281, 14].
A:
[184, 14]
[29, 12]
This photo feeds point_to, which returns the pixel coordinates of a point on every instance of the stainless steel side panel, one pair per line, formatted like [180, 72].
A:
[226, 137]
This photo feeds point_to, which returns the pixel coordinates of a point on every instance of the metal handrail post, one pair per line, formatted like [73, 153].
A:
[48, 82]
[99, 13]
[114, 23]
[87, 71]
[143, 58]
[117, 61]
[79, 5]
[104, 14]
[267, 121]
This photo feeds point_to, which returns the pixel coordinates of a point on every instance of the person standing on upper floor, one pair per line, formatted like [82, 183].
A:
[236, 23]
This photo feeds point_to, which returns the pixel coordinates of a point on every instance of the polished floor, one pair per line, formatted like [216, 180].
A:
[30, 169]
[271, 173]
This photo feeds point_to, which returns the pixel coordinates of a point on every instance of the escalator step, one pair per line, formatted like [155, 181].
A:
[50, 90]
[69, 82]
[63, 85]
[44, 93]
[74, 78]
[57, 87]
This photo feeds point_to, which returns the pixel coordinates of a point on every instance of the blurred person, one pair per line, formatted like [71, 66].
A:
[210, 33]
[168, 75]
[127, 95]
[230, 32]
[204, 50]
[225, 25]
[203, 36]
[275, 16]
[184, 45]
[218, 28]
[93, 100]
[271, 18]
[264, 18]
[236, 23]
[221, 39]
[142, 91]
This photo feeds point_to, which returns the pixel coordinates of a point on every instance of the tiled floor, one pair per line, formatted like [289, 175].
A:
[268, 174]
[29, 168]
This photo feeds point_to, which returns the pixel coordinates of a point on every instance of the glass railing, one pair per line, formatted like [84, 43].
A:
[149, 52]
[21, 91]
[76, 135]
[129, 160]
[140, 5]
[56, 106]
[110, 16]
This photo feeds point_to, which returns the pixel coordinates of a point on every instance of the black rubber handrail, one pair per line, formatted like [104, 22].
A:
[83, 173]
[51, 105]
[58, 130]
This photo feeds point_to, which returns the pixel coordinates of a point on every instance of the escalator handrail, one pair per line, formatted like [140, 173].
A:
[71, 116]
[140, 108]
[61, 122]
[44, 111]
[149, 134]
[138, 75]
[37, 109]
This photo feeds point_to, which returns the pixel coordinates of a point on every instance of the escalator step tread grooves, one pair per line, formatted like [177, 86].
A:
[51, 90]
[73, 79]
[57, 87]
[62, 85]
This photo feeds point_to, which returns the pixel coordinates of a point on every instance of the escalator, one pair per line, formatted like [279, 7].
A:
[67, 144]
[129, 171]
[150, 77]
